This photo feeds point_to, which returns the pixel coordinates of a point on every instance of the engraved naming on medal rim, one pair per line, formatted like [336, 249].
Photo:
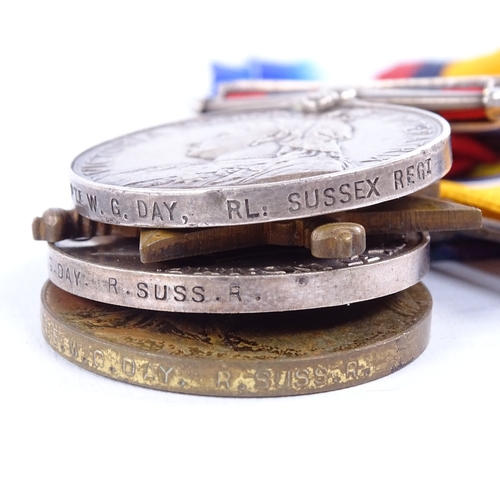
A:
[254, 280]
[244, 168]
[254, 355]
[320, 377]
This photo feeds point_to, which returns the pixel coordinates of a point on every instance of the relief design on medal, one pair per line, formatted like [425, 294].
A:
[245, 168]
[66, 259]
[255, 148]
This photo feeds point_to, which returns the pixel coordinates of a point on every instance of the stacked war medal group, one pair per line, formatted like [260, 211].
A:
[251, 253]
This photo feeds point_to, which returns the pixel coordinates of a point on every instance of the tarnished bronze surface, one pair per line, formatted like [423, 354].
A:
[272, 354]
[336, 236]
[57, 224]
[414, 214]
[334, 240]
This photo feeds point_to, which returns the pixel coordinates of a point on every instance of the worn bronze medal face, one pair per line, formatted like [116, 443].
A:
[273, 354]
[256, 280]
[262, 166]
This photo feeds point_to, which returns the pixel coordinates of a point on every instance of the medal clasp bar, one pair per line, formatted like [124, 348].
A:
[460, 99]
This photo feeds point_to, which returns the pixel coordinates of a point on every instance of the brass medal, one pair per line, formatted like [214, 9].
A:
[245, 355]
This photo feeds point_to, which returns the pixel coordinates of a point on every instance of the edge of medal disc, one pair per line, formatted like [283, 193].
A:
[115, 204]
[255, 378]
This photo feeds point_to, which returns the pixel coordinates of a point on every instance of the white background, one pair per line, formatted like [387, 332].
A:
[75, 74]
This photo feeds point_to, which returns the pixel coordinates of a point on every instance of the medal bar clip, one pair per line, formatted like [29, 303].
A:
[440, 94]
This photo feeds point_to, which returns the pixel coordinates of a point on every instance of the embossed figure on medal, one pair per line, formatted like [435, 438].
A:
[262, 166]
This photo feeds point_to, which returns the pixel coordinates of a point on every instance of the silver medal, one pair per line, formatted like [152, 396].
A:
[265, 279]
[253, 167]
